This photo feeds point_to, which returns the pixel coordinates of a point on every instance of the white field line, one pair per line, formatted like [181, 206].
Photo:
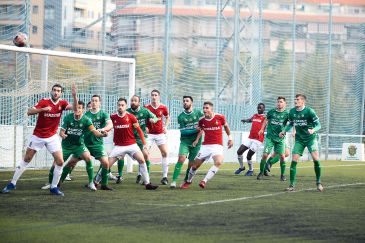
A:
[157, 171]
[248, 198]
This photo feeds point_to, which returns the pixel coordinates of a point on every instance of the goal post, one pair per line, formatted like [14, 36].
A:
[27, 75]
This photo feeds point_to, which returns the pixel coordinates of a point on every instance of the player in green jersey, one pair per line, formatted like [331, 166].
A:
[188, 122]
[276, 120]
[143, 115]
[306, 123]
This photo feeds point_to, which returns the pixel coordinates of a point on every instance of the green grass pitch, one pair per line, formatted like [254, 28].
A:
[232, 208]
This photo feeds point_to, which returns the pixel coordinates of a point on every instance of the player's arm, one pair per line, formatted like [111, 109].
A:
[246, 120]
[152, 117]
[263, 127]
[33, 110]
[96, 132]
[200, 134]
[75, 100]
[287, 128]
[167, 123]
[108, 126]
[316, 123]
[62, 133]
[228, 132]
[140, 132]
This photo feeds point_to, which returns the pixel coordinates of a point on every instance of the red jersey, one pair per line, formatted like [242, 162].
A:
[159, 111]
[123, 129]
[257, 122]
[213, 129]
[48, 121]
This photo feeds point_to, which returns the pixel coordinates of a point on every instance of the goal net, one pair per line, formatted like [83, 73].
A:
[27, 75]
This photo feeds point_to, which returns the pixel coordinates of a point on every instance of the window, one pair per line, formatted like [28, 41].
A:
[34, 29]
[49, 12]
[35, 9]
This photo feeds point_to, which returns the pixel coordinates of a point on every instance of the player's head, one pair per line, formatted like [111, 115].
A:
[280, 103]
[122, 105]
[135, 100]
[95, 101]
[207, 108]
[56, 91]
[155, 95]
[88, 106]
[79, 108]
[300, 100]
[260, 108]
[187, 102]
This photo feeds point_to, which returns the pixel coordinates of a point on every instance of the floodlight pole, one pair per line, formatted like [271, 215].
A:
[218, 33]
[293, 50]
[236, 51]
[103, 43]
[168, 10]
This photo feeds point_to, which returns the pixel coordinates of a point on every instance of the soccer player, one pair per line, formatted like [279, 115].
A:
[306, 123]
[49, 112]
[211, 125]
[188, 123]
[254, 140]
[157, 131]
[143, 116]
[275, 120]
[125, 142]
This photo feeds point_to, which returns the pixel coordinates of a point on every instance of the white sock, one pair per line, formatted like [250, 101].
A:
[144, 172]
[56, 175]
[240, 160]
[98, 176]
[250, 167]
[165, 167]
[211, 172]
[191, 175]
[19, 171]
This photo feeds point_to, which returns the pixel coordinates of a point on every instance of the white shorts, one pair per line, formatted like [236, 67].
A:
[207, 151]
[53, 144]
[159, 139]
[252, 144]
[120, 151]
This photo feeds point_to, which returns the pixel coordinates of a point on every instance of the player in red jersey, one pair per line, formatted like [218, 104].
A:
[211, 125]
[49, 112]
[157, 131]
[254, 140]
[125, 142]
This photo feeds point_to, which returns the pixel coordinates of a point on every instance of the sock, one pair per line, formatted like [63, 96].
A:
[240, 160]
[71, 169]
[56, 175]
[187, 174]
[274, 160]
[104, 176]
[250, 167]
[317, 170]
[90, 171]
[262, 165]
[192, 173]
[19, 171]
[282, 167]
[211, 172]
[120, 167]
[293, 172]
[50, 174]
[144, 172]
[148, 163]
[65, 172]
[177, 171]
[165, 167]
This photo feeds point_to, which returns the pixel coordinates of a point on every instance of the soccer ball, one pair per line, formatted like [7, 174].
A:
[20, 39]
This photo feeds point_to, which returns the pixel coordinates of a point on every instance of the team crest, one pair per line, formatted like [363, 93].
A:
[127, 119]
[160, 113]
[59, 108]
[216, 123]
[98, 117]
[352, 150]
[191, 120]
[80, 125]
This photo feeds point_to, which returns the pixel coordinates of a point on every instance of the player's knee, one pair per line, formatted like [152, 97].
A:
[264, 156]
[164, 154]
[250, 154]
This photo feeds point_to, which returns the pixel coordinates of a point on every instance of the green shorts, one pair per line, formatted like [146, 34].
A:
[97, 151]
[187, 149]
[76, 151]
[299, 146]
[279, 146]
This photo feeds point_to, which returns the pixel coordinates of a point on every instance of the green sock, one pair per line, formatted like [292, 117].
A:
[65, 172]
[90, 171]
[317, 170]
[282, 167]
[148, 163]
[293, 172]
[120, 167]
[177, 171]
[187, 173]
[262, 165]
[50, 174]
[104, 176]
[274, 160]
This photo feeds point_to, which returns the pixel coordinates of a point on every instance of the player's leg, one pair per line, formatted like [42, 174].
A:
[89, 169]
[297, 152]
[105, 171]
[204, 154]
[183, 152]
[218, 160]
[269, 144]
[313, 149]
[53, 145]
[193, 153]
[120, 170]
[68, 166]
[162, 146]
[240, 152]
[136, 153]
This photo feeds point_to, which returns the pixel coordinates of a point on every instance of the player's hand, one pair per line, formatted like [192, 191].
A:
[48, 108]
[260, 132]
[73, 89]
[145, 147]
[282, 134]
[194, 143]
[243, 120]
[230, 144]
[164, 130]
[147, 130]
[311, 131]
[63, 136]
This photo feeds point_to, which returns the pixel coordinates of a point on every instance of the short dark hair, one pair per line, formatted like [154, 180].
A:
[281, 98]
[123, 99]
[301, 95]
[208, 103]
[139, 98]
[57, 86]
[155, 90]
[88, 103]
[96, 96]
[188, 97]
[261, 104]
[80, 102]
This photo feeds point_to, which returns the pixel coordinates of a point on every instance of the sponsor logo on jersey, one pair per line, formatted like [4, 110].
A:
[212, 128]
[256, 120]
[122, 126]
[52, 115]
